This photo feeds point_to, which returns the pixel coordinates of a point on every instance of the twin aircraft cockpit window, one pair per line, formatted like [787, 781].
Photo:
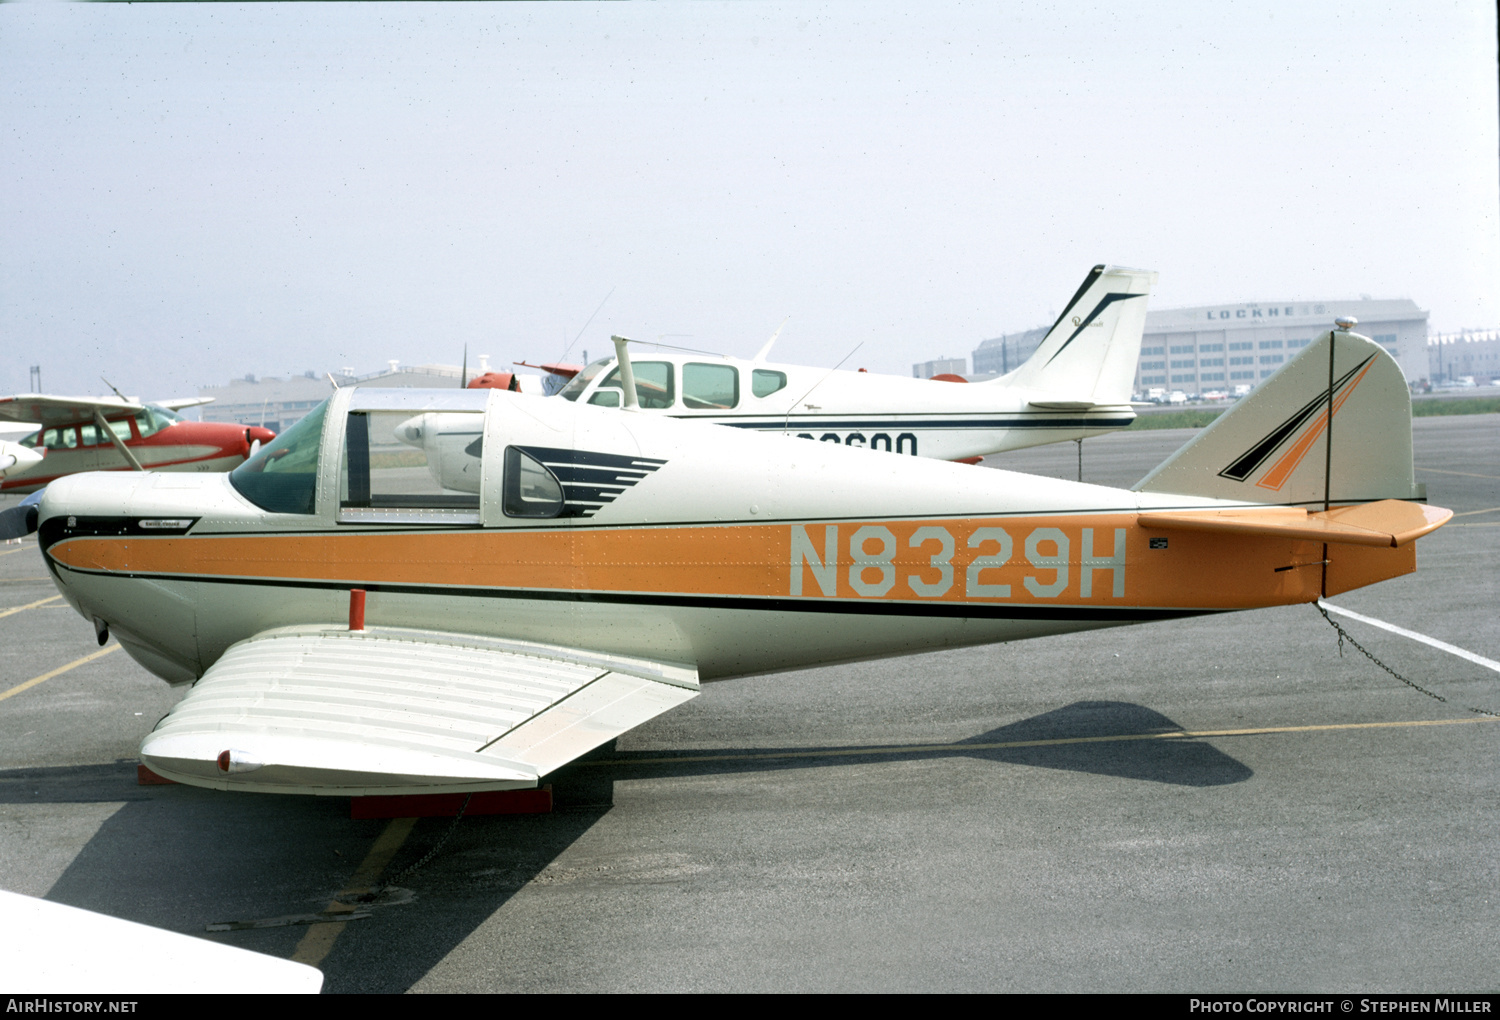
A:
[705, 387]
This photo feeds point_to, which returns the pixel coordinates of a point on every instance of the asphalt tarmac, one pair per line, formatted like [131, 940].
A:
[1008, 818]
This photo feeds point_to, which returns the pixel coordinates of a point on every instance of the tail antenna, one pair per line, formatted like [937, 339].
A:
[1342, 324]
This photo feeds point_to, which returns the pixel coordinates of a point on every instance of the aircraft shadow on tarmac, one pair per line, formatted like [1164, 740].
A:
[1108, 738]
[180, 857]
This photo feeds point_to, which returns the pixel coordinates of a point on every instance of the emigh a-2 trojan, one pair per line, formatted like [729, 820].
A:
[434, 591]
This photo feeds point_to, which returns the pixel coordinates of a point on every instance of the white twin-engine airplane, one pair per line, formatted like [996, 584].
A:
[1075, 386]
[457, 590]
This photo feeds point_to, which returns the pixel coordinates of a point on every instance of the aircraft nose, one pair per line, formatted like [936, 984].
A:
[15, 458]
[255, 437]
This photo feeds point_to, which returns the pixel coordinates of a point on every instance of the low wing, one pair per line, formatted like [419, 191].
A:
[386, 711]
[59, 412]
[55, 947]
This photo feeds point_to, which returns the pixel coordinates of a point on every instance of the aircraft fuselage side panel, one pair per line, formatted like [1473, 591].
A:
[735, 552]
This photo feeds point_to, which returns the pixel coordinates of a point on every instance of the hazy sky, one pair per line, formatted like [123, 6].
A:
[194, 192]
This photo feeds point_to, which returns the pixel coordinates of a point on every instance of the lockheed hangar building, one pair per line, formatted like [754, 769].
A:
[1219, 347]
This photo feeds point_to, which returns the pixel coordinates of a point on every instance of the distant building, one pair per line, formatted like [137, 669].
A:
[1003, 353]
[1471, 354]
[1219, 347]
[279, 404]
[942, 366]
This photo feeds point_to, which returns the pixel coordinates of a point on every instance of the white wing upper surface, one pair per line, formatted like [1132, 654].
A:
[54, 949]
[336, 712]
[181, 403]
[59, 412]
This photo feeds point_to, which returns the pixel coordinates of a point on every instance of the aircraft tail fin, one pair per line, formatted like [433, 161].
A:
[1090, 353]
[1273, 446]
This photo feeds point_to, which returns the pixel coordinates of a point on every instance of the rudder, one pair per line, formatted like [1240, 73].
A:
[1272, 447]
[1090, 353]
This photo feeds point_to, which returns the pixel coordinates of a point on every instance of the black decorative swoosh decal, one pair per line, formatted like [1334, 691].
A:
[1083, 288]
[589, 480]
[1246, 463]
[1104, 303]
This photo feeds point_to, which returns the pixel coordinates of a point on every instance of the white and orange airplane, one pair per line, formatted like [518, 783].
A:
[440, 591]
[1075, 386]
[78, 434]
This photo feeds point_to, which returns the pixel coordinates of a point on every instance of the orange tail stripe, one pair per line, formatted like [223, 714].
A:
[1282, 470]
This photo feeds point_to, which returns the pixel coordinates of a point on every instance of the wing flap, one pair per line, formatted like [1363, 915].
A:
[335, 712]
[600, 711]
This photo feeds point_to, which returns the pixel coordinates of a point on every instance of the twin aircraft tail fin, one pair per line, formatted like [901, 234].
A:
[1273, 446]
[1090, 353]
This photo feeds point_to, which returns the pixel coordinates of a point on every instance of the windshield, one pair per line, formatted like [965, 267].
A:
[283, 476]
[153, 419]
[580, 382]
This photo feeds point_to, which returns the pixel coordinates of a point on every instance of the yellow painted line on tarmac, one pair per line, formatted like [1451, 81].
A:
[30, 605]
[10, 552]
[315, 946]
[1471, 513]
[101, 653]
[318, 942]
[1441, 471]
[849, 752]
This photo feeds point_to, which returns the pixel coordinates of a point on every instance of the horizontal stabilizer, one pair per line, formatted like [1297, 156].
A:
[388, 711]
[1385, 523]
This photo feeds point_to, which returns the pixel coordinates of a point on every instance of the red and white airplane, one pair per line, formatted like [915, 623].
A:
[102, 434]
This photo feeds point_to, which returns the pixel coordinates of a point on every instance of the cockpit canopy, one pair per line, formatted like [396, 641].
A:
[404, 457]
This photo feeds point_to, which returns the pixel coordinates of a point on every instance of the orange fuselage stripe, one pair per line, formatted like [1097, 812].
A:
[1045, 565]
